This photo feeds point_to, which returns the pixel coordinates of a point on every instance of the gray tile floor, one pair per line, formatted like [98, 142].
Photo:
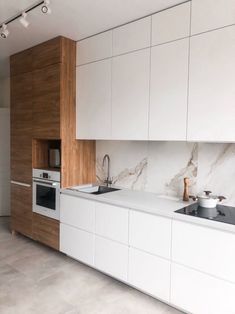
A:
[35, 279]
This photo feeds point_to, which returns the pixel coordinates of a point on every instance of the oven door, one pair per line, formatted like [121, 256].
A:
[46, 198]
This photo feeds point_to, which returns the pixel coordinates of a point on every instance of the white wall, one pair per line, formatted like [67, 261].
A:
[4, 161]
[160, 167]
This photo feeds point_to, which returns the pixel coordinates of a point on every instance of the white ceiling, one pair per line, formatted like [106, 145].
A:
[75, 19]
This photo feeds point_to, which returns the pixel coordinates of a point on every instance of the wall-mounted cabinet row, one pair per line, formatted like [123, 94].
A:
[180, 21]
[180, 90]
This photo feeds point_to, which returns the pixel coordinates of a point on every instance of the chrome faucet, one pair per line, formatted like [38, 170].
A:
[108, 179]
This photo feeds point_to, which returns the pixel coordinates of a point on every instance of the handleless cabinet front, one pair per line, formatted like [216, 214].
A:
[111, 222]
[209, 14]
[171, 24]
[46, 102]
[77, 212]
[21, 128]
[211, 110]
[93, 102]
[130, 95]
[77, 243]
[205, 249]
[169, 91]
[150, 233]
[111, 257]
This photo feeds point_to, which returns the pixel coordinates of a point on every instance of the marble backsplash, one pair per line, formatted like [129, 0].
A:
[160, 167]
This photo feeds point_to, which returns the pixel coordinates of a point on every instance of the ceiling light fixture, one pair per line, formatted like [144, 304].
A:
[45, 7]
[4, 32]
[23, 20]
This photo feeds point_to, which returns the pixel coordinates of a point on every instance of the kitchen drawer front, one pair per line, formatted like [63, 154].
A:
[149, 273]
[77, 243]
[204, 249]
[150, 233]
[77, 212]
[111, 222]
[46, 230]
[111, 257]
[198, 293]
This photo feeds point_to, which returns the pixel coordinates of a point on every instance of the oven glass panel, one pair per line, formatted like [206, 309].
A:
[46, 196]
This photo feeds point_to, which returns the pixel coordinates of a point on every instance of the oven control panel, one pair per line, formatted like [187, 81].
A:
[46, 174]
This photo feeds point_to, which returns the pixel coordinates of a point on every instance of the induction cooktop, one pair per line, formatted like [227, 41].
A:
[220, 213]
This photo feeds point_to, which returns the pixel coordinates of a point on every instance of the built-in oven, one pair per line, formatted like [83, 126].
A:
[46, 193]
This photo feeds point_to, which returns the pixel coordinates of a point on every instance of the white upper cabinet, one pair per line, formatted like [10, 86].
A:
[212, 14]
[211, 110]
[171, 24]
[130, 95]
[93, 103]
[132, 36]
[169, 91]
[94, 48]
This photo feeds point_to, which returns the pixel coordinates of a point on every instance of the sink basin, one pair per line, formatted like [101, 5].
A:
[96, 190]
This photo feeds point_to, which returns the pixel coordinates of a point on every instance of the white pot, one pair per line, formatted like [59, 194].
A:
[207, 202]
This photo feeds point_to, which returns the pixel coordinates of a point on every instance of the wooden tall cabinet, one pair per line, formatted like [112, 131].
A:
[43, 80]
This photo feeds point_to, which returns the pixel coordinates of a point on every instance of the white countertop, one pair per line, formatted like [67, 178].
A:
[150, 203]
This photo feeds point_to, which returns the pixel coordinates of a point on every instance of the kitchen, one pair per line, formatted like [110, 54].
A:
[117, 160]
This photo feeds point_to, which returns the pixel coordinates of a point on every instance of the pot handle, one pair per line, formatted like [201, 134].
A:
[194, 198]
[221, 198]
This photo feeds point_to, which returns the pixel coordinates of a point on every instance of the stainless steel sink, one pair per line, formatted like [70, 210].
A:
[96, 189]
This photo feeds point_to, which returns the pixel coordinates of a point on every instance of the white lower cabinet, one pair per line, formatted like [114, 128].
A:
[111, 257]
[77, 212]
[205, 249]
[149, 273]
[77, 243]
[199, 293]
[111, 222]
[150, 233]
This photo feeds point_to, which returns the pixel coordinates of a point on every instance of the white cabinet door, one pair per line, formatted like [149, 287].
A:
[93, 100]
[77, 212]
[94, 48]
[204, 249]
[132, 36]
[111, 222]
[169, 91]
[150, 233]
[198, 293]
[111, 257]
[149, 273]
[211, 109]
[171, 24]
[211, 14]
[130, 95]
[77, 243]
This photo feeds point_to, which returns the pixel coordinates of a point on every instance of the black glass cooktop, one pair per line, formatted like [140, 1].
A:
[220, 213]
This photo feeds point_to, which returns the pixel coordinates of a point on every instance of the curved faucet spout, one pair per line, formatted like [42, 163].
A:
[108, 179]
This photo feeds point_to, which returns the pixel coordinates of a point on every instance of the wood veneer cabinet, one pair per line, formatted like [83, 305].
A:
[46, 230]
[21, 209]
[21, 128]
[43, 80]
